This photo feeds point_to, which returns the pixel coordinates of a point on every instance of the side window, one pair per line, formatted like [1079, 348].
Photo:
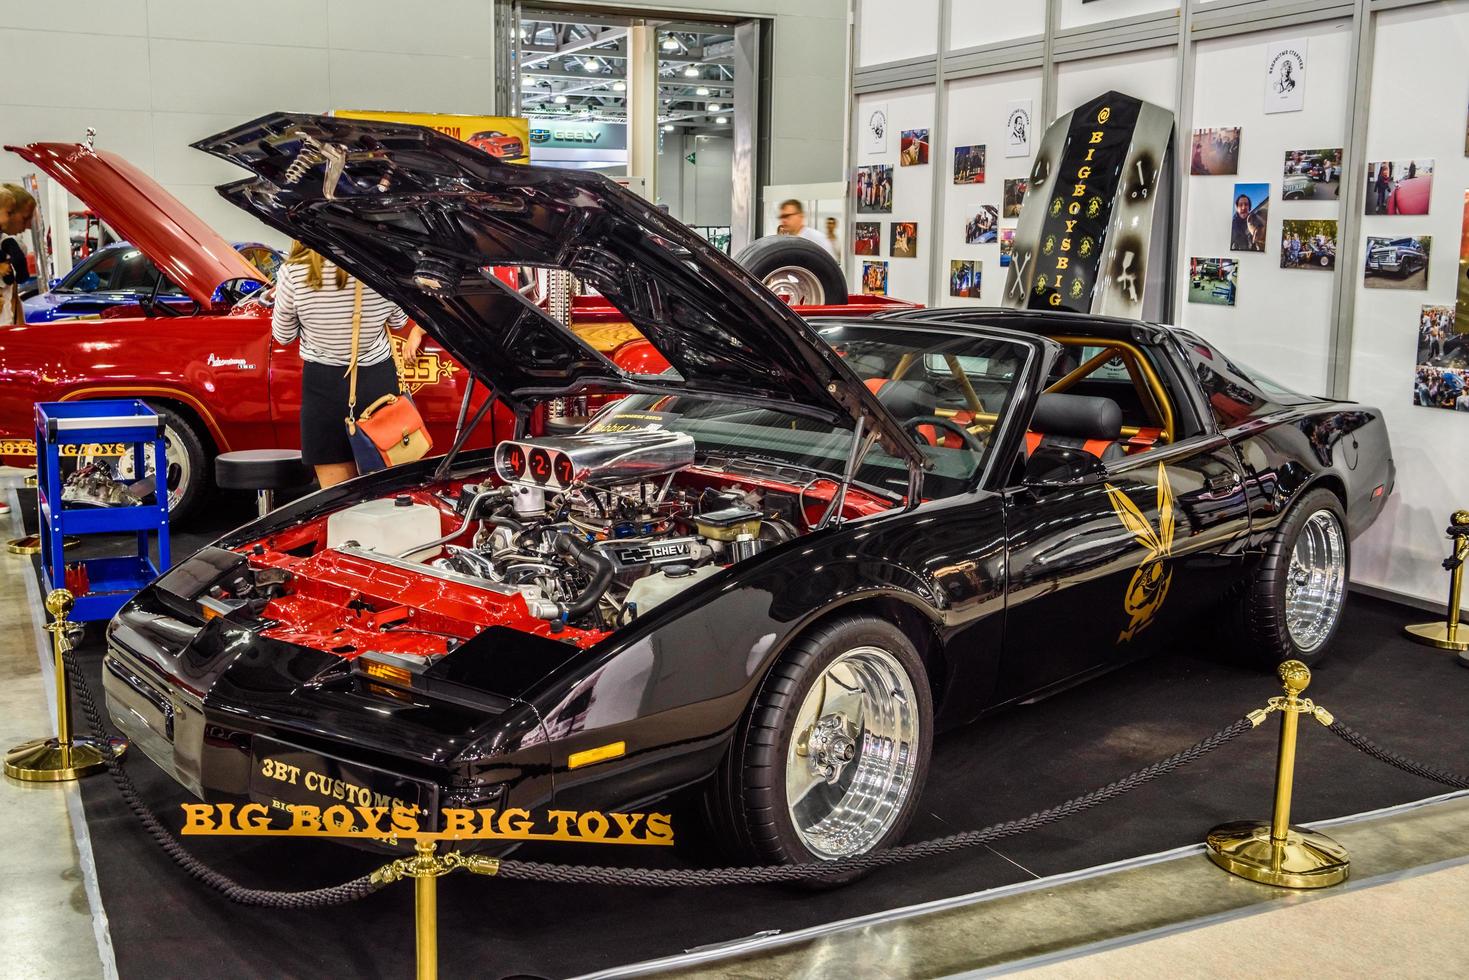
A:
[1233, 393]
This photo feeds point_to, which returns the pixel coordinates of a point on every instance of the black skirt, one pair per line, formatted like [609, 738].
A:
[324, 406]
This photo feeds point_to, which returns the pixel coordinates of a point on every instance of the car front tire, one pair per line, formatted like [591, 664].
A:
[833, 753]
[1294, 603]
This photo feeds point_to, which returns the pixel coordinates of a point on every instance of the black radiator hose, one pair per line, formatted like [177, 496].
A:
[593, 561]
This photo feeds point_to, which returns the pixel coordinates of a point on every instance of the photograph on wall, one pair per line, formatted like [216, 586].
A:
[964, 278]
[1007, 245]
[914, 147]
[983, 226]
[873, 186]
[1285, 76]
[1399, 186]
[1311, 175]
[1017, 129]
[1251, 216]
[1397, 263]
[1216, 152]
[1213, 281]
[1014, 197]
[874, 278]
[1463, 297]
[904, 240]
[1440, 381]
[1308, 244]
[867, 239]
[875, 130]
[969, 164]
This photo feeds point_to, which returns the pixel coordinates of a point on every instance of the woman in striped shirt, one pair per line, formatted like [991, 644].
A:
[314, 301]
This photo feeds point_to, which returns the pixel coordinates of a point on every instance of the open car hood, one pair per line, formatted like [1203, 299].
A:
[421, 217]
[189, 252]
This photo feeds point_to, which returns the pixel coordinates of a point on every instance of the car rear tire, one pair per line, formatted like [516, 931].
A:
[797, 270]
[1293, 606]
[833, 753]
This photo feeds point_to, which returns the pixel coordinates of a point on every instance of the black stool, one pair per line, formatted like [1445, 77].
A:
[263, 470]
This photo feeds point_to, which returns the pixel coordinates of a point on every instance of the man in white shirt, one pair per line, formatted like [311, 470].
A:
[793, 222]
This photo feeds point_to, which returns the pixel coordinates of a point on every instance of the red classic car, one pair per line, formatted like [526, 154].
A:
[212, 372]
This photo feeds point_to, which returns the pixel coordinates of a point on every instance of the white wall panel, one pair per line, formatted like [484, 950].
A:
[1281, 323]
[110, 17]
[462, 28]
[976, 22]
[407, 82]
[294, 22]
[49, 69]
[893, 30]
[976, 115]
[1076, 13]
[1148, 75]
[911, 108]
[228, 77]
[1419, 83]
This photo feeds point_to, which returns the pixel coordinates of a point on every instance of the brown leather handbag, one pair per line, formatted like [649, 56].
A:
[390, 430]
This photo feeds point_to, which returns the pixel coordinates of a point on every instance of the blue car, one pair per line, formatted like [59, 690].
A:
[119, 275]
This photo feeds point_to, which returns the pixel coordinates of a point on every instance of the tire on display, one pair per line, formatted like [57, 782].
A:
[833, 753]
[188, 463]
[797, 270]
[1293, 606]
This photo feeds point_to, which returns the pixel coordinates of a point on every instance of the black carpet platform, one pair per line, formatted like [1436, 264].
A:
[1411, 699]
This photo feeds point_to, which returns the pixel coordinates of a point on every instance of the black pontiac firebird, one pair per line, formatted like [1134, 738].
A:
[773, 571]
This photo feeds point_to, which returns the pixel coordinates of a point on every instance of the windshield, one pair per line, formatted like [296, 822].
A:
[950, 393]
[115, 269]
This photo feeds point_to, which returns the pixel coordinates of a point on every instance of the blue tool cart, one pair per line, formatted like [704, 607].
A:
[101, 585]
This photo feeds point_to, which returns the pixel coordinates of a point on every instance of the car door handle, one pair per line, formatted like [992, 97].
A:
[1221, 481]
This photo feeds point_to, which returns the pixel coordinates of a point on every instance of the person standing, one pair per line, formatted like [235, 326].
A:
[833, 243]
[1382, 186]
[17, 211]
[793, 222]
[316, 302]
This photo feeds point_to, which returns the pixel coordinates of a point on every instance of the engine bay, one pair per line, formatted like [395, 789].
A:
[568, 537]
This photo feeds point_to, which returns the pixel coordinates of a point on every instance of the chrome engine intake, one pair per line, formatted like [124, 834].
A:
[593, 458]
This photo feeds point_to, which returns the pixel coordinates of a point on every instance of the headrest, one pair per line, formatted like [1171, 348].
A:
[904, 399]
[1077, 416]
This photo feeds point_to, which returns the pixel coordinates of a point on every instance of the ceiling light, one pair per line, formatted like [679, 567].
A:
[560, 100]
[714, 107]
[691, 72]
[670, 43]
[721, 120]
[668, 127]
[619, 86]
[701, 92]
[591, 64]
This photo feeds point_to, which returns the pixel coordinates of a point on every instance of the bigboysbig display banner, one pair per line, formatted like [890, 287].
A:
[1091, 217]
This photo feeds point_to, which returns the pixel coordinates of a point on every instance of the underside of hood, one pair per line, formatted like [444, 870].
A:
[422, 218]
[189, 252]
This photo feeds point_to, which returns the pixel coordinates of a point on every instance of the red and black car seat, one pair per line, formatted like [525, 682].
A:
[906, 400]
[1084, 422]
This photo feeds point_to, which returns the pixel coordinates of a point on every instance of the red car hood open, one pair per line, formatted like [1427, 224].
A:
[189, 252]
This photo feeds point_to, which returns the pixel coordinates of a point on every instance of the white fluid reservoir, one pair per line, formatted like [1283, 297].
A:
[390, 527]
[650, 590]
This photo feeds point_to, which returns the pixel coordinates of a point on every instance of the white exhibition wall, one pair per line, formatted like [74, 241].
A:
[1283, 323]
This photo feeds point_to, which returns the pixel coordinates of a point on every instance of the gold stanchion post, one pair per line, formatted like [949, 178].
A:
[65, 756]
[1278, 853]
[1446, 635]
[425, 868]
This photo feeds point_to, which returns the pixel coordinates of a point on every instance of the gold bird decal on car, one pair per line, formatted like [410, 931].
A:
[1149, 585]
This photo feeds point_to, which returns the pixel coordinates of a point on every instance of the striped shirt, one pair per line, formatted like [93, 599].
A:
[322, 318]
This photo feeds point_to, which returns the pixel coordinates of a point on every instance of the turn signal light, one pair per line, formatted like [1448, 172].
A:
[601, 753]
[387, 672]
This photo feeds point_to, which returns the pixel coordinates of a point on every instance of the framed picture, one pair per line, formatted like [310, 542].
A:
[1397, 263]
[873, 186]
[969, 164]
[867, 239]
[983, 227]
[1311, 175]
[1250, 218]
[904, 240]
[1014, 197]
[1308, 244]
[914, 148]
[1399, 186]
[1007, 245]
[1439, 376]
[1215, 152]
[964, 278]
[1213, 281]
[874, 278]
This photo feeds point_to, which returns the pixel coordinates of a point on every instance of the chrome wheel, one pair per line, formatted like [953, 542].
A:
[853, 755]
[796, 286]
[179, 470]
[1316, 580]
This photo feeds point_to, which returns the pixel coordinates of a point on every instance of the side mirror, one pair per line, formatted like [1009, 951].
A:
[1055, 467]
